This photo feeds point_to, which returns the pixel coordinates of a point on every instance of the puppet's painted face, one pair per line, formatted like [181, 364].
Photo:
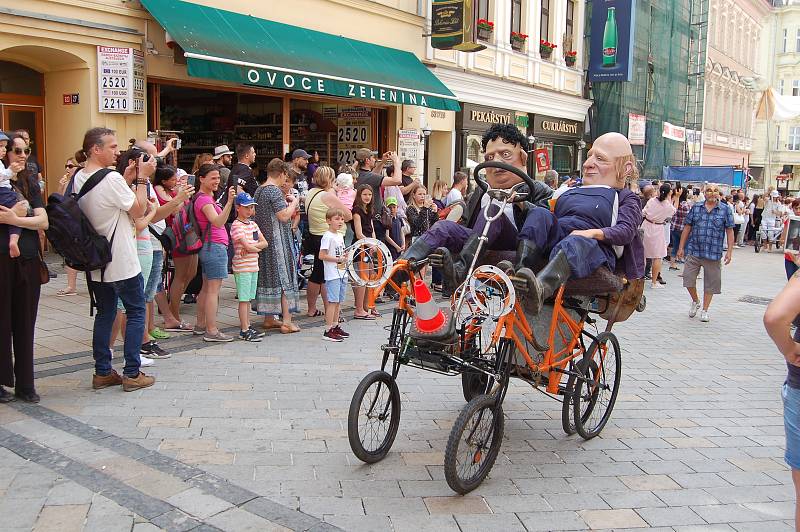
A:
[600, 167]
[503, 151]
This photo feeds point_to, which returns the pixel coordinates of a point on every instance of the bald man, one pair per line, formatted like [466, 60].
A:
[592, 225]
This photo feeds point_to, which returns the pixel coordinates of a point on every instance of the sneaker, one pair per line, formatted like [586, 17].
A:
[152, 350]
[341, 332]
[197, 331]
[331, 336]
[703, 315]
[661, 280]
[249, 336]
[695, 306]
[5, 396]
[189, 299]
[27, 396]
[259, 334]
[219, 337]
[130, 384]
[145, 362]
[104, 381]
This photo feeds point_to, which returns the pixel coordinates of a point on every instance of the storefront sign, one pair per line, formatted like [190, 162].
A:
[551, 126]
[408, 145]
[120, 80]
[674, 132]
[611, 43]
[637, 127]
[542, 160]
[453, 26]
[354, 131]
[479, 118]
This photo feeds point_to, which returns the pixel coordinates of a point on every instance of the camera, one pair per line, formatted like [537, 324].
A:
[135, 153]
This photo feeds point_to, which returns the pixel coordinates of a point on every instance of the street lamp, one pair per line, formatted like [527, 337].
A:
[580, 144]
[531, 143]
[426, 132]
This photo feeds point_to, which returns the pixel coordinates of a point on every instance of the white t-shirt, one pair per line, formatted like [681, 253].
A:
[159, 227]
[453, 196]
[106, 206]
[333, 243]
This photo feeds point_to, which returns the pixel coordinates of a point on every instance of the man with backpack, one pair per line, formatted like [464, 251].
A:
[110, 205]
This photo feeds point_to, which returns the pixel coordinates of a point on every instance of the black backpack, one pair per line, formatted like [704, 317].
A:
[70, 232]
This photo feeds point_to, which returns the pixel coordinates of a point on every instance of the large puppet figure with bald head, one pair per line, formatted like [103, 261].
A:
[592, 225]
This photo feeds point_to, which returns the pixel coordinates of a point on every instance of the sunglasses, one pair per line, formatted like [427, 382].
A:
[20, 151]
[70, 166]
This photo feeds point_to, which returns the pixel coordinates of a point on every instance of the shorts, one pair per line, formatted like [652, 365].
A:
[214, 259]
[246, 284]
[712, 274]
[154, 280]
[318, 272]
[337, 290]
[791, 424]
[146, 263]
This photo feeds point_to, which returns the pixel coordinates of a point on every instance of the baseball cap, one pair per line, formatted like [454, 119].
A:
[363, 153]
[243, 199]
[773, 194]
[219, 151]
[3, 136]
[391, 200]
[300, 153]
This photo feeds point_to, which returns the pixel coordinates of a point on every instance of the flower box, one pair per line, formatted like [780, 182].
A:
[571, 57]
[546, 49]
[518, 41]
[485, 29]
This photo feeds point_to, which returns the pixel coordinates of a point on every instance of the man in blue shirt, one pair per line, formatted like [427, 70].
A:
[701, 242]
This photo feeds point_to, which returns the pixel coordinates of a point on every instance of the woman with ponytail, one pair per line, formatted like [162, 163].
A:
[656, 212]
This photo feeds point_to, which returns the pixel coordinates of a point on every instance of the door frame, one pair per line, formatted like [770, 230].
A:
[39, 146]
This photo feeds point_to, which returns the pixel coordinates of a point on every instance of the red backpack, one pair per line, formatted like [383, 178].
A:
[184, 232]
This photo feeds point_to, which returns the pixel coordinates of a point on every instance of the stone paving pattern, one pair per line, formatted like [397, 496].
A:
[253, 436]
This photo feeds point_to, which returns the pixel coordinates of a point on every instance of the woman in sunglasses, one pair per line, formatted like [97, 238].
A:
[9, 196]
[20, 277]
[70, 168]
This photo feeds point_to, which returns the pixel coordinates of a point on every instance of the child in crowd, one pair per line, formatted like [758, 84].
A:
[331, 253]
[395, 238]
[344, 189]
[248, 241]
[9, 197]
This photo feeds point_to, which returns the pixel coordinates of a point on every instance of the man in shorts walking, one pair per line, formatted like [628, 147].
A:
[701, 243]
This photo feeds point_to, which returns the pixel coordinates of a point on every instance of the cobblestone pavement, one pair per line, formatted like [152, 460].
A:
[253, 436]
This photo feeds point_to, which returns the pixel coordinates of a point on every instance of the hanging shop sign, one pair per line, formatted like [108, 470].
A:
[453, 26]
[354, 131]
[673, 132]
[554, 127]
[120, 80]
[542, 160]
[611, 42]
[637, 127]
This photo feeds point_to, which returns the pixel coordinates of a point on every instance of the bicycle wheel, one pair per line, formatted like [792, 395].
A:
[567, 422]
[374, 417]
[473, 444]
[595, 393]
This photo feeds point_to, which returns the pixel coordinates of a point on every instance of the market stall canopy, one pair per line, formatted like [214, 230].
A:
[774, 106]
[234, 47]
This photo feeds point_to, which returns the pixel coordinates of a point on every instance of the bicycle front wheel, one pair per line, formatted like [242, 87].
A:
[596, 391]
[374, 417]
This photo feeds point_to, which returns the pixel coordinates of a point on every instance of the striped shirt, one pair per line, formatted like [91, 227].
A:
[241, 232]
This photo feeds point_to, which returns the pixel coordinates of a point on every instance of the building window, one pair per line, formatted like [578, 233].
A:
[544, 26]
[516, 16]
[796, 87]
[785, 39]
[797, 41]
[483, 9]
[777, 137]
[570, 25]
[781, 84]
[794, 138]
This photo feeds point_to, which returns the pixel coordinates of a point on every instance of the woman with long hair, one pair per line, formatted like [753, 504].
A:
[363, 228]
[20, 281]
[421, 214]
[657, 210]
[678, 223]
[213, 255]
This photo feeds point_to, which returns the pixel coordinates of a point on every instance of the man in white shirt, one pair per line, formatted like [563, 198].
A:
[458, 190]
[110, 207]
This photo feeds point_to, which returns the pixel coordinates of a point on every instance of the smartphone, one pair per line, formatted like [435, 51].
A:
[178, 144]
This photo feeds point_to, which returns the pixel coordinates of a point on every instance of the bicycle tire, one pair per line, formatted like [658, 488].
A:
[490, 434]
[389, 409]
[567, 421]
[594, 384]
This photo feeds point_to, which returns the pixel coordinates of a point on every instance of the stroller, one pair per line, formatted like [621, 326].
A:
[769, 231]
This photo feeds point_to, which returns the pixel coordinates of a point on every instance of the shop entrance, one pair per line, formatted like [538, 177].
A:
[22, 104]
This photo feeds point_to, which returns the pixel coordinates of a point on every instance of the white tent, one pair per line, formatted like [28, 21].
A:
[774, 106]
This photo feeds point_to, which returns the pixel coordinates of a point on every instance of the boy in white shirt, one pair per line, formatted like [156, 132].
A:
[331, 253]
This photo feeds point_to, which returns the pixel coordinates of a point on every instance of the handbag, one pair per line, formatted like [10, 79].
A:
[44, 271]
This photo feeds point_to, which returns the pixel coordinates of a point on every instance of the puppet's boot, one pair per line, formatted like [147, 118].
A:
[544, 285]
[455, 270]
[417, 251]
[529, 255]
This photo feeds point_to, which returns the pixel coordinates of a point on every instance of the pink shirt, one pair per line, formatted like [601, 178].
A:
[218, 234]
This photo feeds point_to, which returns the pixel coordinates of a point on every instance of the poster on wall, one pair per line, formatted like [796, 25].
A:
[120, 80]
[354, 131]
[410, 147]
[637, 126]
[611, 43]
[542, 160]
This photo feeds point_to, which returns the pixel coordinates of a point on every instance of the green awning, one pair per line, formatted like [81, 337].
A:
[256, 52]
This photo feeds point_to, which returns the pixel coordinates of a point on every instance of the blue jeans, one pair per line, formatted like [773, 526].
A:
[131, 293]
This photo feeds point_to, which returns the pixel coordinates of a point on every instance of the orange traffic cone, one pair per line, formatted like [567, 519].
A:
[430, 318]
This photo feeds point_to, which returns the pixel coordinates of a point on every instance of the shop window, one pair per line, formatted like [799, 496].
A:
[19, 79]
[544, 25]
[474, 151]
[794, 138]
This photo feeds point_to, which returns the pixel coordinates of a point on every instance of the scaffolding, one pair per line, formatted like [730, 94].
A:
[660, 88]
[695, 88]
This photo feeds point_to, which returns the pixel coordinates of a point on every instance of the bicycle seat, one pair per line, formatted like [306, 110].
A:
[601, 281]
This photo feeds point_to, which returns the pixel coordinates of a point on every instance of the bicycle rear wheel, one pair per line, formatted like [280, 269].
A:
[596, 391]
[474, 444]
[374, 417]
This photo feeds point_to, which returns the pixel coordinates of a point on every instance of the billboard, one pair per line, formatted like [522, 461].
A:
[453, 26]
[611, 43]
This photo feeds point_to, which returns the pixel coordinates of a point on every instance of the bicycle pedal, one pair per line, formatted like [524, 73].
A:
[520, 283]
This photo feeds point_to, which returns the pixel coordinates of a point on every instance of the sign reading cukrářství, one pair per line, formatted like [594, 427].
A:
[611, 42]
[120, 80]
[293, 81]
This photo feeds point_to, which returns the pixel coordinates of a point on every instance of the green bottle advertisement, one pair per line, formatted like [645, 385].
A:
[610, 39]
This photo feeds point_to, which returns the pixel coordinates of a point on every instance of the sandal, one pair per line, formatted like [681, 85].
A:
[317, 314]
[374, 313]
[289, 329]
[158, 334]
[182, 327]
[369, 317]
[271, 324]
[65, 292]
